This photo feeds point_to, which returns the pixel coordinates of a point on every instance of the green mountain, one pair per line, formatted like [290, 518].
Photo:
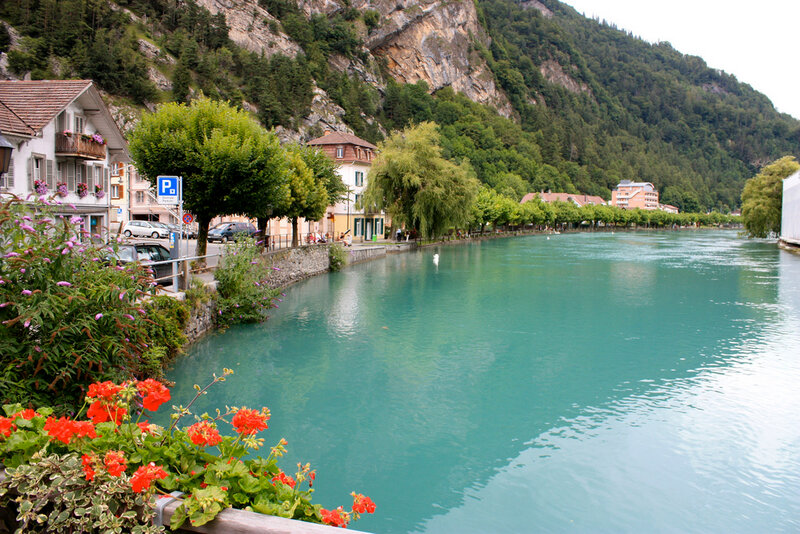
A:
[533, 94]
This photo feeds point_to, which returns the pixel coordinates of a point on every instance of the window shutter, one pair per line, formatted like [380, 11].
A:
[105, 178]
[10, 175]
[51, 183]
[89, 177]
[30, 173]
[71, 185]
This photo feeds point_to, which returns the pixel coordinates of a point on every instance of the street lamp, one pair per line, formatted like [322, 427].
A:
[5, 154]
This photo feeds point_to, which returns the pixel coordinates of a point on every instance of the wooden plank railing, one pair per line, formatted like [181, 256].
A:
[75, 145]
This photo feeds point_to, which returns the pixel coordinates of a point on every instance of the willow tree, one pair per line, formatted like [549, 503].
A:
[416, 186]
[229, 163]
[762, 198]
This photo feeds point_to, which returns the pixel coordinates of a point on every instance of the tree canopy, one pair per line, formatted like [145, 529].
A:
[763, 196]
[229, 163]
[418, 187]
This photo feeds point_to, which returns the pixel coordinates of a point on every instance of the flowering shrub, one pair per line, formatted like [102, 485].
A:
[243, 293]
[68, 315]
[40, 186]
[97, 138]
[82, 189]
[61, 189]
[98, 191]
[107, 467]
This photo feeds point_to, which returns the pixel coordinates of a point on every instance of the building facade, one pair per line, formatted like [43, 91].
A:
[354, 156]
[632, 195]
[65, 142]
[790, 211]
[578, 200]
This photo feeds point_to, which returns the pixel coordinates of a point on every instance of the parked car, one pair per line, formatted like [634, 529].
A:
[188, 232]
[145, 229]
[148, 253]
[228, 231]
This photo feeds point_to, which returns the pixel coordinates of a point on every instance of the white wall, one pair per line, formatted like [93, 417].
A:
[790, 215]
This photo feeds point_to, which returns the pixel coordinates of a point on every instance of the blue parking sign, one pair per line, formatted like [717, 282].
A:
[168, 189]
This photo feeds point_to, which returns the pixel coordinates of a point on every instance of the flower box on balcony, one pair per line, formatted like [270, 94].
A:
[80, 145]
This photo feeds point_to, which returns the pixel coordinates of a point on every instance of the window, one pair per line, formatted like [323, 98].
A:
[116, 191]
[357, 200]
[358, 226]
[359, 178]
[80, 122]
[61, 122]
[7, 179]
[339, 152]
[140, 197]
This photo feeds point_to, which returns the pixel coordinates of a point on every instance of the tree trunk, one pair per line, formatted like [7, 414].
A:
[262, 231]
[203, 222]
[295, 232]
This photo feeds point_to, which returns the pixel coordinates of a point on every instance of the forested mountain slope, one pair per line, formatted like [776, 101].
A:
[548, 98]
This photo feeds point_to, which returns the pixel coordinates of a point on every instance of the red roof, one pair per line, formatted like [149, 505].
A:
[341, 138]
[11, 123]
[579, 199]
[36, 103]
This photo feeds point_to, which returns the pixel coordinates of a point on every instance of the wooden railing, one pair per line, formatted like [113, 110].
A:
[76, 145]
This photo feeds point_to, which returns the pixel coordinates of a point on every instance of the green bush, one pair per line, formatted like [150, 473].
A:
[244, 295]
[337, 257]
[68, 315]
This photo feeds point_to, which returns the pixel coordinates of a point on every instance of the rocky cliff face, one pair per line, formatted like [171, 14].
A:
[429, 40]
[250, 26]
[433, 42]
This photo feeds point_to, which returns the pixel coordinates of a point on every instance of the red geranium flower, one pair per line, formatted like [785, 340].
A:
[336, 518]
[146, 427]
[141, 479]
[100, 412]
[7, 426]
[25, 414]
[103, 390]
[154, 392]
[362, 504]
[204, 433]
[115, 463]
[88, 466]
[283, 477]
[61, 429]
[250, 421]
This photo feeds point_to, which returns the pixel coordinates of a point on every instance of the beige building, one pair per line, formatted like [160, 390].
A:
[354, 156]
[632, 195]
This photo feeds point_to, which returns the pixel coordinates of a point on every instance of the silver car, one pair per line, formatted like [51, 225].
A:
[144, 229]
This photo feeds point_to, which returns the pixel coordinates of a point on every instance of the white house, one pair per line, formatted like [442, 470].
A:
[354, 157]
[790, 212]
[65, 141]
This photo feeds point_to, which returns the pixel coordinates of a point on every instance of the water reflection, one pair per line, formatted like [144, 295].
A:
[519, 374]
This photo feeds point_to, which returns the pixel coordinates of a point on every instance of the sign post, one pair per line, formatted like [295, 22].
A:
[170, 192]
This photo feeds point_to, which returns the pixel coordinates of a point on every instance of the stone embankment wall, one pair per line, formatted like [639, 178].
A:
[294, 264]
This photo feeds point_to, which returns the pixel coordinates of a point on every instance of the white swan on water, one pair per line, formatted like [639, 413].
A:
[436, 259]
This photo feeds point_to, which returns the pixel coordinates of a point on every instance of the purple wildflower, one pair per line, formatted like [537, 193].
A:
[276, 268]
[98, 316]
[128, 316]
[27, 228]
[27, 323]
[63, 283]
[12, 254]
[27, 292]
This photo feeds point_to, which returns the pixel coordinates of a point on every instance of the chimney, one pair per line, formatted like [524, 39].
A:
[327, 132]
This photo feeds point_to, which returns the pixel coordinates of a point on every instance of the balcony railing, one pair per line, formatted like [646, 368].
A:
[76, 145]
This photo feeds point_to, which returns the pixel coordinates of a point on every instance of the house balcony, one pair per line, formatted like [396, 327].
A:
[78, 146]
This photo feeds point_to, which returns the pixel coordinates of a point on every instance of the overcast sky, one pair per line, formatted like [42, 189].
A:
[756, 41]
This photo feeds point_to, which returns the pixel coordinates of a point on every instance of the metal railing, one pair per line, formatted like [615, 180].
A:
[180, 270]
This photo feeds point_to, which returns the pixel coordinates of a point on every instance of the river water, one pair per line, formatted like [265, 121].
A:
[628, 382]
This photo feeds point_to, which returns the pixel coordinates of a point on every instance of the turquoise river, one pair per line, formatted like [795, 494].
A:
[628, 382]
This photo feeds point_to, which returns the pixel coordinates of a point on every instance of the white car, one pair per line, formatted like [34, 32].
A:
[144, 229]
